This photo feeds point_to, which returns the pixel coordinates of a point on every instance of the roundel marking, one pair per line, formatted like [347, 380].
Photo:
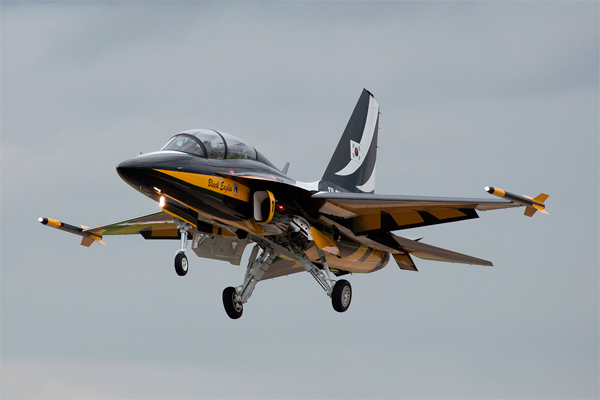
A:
[235, 189]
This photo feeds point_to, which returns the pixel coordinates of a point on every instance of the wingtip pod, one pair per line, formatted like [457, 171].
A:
[50, 222]
[87, 237]
[532, 205]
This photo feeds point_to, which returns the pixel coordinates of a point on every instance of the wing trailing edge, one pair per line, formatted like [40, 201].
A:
[429, 252]
[404, 248]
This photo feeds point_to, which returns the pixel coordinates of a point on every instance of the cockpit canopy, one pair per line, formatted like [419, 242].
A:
[211, 144]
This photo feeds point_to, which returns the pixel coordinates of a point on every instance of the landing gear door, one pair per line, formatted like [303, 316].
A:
[221, 248]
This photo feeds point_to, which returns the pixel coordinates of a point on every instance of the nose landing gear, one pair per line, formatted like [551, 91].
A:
[181, 261]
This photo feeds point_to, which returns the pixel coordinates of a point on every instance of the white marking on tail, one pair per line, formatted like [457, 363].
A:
[368, 186]
[365, 142]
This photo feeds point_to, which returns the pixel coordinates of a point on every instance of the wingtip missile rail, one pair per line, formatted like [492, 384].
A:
[87, 237]
[531, 204]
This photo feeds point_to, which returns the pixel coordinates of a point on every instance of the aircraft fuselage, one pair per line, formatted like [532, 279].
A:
[214, 191]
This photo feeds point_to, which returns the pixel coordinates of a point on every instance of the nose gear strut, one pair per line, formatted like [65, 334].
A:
[181, 261]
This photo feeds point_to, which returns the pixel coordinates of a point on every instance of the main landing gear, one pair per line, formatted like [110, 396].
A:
[181, 261]
[341, 295]
[234, 298]
[339, 291]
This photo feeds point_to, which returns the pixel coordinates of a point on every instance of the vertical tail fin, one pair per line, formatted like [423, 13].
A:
[352, 166]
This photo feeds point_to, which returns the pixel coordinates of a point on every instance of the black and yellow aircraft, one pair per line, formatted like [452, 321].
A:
[221, 194]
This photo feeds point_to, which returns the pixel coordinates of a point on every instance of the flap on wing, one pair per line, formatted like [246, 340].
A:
[429, 252]
[158, 222]
[364, 212]
[157, 225]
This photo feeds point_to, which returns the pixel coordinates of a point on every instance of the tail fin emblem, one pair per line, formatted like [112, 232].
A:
[355, 153]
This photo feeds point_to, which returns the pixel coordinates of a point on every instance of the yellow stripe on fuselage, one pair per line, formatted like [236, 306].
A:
[247, 225]
[172, 214]
[217, 184]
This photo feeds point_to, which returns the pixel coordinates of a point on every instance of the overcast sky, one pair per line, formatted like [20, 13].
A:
[472, 94]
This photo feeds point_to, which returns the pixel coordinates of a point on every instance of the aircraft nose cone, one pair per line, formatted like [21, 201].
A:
[125, 165]
[129, 170]
[140, 170]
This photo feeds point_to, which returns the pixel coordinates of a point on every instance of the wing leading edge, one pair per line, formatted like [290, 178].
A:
[365, 213]
[209, 241]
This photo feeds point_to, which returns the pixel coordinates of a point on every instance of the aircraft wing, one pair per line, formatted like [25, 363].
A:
[365, 213]
[157, 225]
[210, 241]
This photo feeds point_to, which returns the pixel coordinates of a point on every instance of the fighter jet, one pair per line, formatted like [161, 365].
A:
[220, 194]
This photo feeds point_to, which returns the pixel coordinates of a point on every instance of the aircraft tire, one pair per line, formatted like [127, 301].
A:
[341, 295]
[181, 264]
[233, 309]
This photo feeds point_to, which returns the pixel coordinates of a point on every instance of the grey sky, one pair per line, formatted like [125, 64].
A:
[471, 94]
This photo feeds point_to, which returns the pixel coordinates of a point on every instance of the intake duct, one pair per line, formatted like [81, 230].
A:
[264, 206]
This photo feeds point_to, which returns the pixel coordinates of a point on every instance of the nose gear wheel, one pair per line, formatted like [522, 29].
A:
[181, 263]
